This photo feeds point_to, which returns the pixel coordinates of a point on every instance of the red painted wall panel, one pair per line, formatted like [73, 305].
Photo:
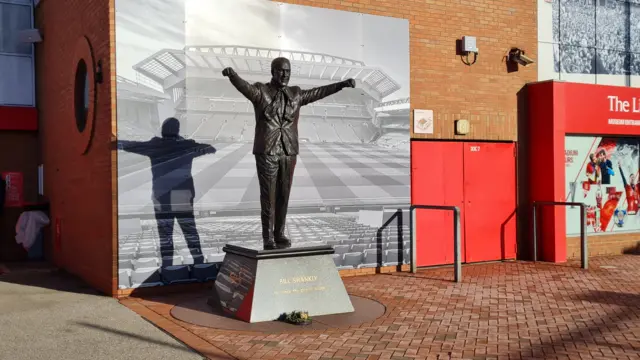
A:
[18, 118]
[489, 201]
[546, 154]
[436, 179]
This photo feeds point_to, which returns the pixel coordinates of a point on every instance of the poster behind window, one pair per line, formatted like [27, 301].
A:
[14, 185]
[603, 174]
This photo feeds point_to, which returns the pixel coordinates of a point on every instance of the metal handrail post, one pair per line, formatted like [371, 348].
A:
[584, 250]
[456, 246]
[457, 257]
[412, 224]
[584, 255]
[535, 233]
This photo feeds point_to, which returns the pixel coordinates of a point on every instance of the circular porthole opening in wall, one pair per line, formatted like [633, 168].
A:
[81, 95]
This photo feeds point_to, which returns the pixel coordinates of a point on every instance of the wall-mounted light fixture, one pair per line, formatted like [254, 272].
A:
[462, 127]
[517, 55]
[469, 47]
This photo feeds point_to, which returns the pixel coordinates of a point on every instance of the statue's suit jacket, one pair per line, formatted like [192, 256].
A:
[272, 126]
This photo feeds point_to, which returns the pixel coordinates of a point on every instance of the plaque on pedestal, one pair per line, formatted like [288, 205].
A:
[261, 285]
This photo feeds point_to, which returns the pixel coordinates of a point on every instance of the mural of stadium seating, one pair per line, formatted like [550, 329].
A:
[306, 111]
[128, 163]
[366, 130]
[394, 140]
[213, 105]
[197, 104]
[228, 105]
[211, 88]
[225, 127]
[307, 131]
[247, 124]
[357, 112]
[189, 124]
[345, 131]
[146, 261]
[128, 131]
[325, 131]
[250, 121]
[232, 127]
[336, 111]
[212, 126]
[345, 97]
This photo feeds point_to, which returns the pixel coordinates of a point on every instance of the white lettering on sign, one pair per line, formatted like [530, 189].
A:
[569, 156]
[624, 106]
[624, 122]
[474, 148]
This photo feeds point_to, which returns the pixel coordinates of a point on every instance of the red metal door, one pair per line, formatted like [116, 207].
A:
[437, 179]
[489, 201]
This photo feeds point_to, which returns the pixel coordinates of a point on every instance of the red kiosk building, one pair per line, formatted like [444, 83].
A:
[568, 124]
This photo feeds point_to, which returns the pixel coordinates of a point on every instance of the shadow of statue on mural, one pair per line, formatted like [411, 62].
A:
[173, 189]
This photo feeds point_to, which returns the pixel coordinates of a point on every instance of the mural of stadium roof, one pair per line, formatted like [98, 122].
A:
[394, 106]
[131, 90]
[169, 67]
[394, 114]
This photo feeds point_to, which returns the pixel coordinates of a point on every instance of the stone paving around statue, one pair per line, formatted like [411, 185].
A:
[500, 311]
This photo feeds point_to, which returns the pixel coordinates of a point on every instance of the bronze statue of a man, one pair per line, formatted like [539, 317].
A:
[275, 145]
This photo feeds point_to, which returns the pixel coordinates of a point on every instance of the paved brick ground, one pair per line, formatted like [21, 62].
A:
[499, 311]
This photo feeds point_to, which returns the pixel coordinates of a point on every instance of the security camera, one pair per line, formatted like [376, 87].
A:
[524, 60]
[518, 56]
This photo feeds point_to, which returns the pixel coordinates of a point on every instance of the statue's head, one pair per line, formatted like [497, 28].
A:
[280, 71]
[170, 128]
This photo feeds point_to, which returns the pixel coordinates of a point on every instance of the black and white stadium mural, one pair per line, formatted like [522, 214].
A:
[187, 182]
[589, 41]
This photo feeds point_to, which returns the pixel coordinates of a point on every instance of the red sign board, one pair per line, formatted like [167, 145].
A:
[598, 109]
[14, 196]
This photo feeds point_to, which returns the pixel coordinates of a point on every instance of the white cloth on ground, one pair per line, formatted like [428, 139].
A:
[28, 227]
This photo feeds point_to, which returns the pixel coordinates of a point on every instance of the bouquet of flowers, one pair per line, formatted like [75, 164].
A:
[297, 318]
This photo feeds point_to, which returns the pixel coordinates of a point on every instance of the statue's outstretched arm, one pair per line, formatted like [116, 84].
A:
[249, 91]
[315, 94]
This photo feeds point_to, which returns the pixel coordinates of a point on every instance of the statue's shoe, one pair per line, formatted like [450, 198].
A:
[283, 243]
[269, 244]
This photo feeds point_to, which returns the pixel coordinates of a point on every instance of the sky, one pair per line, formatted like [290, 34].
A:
[144, 27]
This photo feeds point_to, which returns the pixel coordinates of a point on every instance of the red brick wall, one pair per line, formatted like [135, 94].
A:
[80, 186]
[83, 188]
[605, 245]
[484, 93]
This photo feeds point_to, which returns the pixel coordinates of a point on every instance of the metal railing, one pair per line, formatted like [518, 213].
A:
[457, 262]
[584, 255]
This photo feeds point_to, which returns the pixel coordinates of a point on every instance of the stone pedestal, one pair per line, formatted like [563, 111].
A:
[260, 285]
